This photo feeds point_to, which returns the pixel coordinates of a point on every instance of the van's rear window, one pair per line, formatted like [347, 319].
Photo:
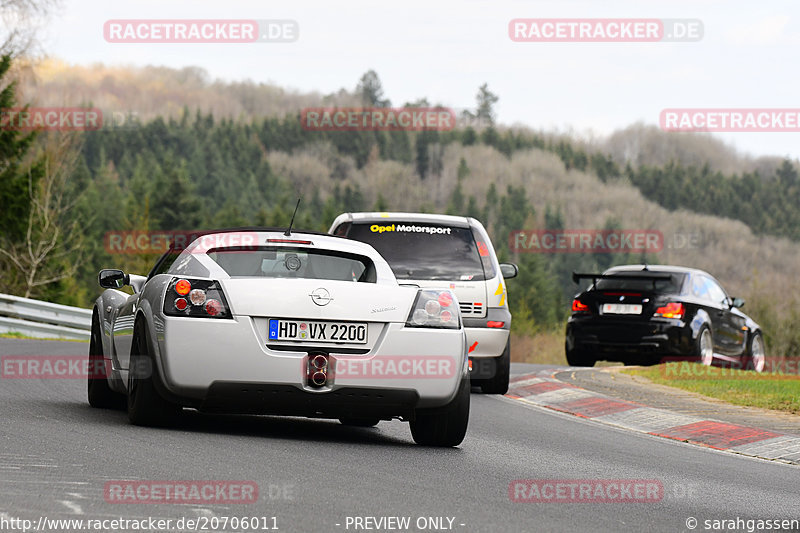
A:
[419, 251]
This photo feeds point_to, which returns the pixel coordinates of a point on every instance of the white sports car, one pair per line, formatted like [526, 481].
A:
[272, 322]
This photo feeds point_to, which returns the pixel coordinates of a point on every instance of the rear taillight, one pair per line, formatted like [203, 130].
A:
[495, 324]
[434, 309]
[671, 310]
[579, 307]
[200, 298]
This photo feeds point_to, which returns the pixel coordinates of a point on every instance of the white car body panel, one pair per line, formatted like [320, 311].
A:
[193, 355]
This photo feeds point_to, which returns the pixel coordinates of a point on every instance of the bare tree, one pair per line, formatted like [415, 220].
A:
[20, 20]
[51, 240]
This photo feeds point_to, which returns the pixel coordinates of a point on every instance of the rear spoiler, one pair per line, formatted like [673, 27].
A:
[577, 276]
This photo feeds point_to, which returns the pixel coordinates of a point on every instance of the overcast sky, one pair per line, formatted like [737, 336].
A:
[444, 50]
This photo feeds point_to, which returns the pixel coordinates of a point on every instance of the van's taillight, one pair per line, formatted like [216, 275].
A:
[495, 324]
[579, 307]
[205, 299]
[671, 310]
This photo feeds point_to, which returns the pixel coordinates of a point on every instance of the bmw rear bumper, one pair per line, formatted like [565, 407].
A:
[628, 341]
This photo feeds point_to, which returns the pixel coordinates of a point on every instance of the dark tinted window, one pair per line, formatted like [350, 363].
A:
[665, 286]
[424, 251]
[289, 262]
[164, 263]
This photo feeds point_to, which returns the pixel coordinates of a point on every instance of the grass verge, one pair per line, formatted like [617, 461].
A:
[17, 335]
[780, 392]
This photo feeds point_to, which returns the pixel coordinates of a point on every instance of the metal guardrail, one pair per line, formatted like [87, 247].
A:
[35, 318]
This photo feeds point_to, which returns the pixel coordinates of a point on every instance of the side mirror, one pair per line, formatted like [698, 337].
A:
[509, 270]
[737, 302]
[112, 278]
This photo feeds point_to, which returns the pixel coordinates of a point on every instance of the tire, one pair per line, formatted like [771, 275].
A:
[498, 384]
[756, 357]
[360, 422]
[577, 357]
[444, 426]
[146, 407]
[704, 346]
[98, 391]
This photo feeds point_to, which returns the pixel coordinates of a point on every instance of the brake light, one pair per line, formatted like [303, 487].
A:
[288, 241]
[671, 310]
[213, 307]
[205, 299]
[495, 324]
[579, 307]
[445, 299]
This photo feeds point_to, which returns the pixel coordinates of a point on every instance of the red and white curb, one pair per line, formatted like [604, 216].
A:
[543, 390]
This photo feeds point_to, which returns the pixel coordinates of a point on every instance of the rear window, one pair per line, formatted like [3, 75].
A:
[289, 262]
[658, 286]
[424, 251]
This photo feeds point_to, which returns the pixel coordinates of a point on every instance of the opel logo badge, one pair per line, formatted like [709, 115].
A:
[321, 296]
[621, 298]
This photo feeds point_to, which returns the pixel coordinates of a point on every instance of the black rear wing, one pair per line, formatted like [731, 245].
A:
[577, 276]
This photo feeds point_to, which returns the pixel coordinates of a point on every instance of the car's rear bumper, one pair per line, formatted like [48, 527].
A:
[344, 402]
[211, 363]
[484, 341]
[630, 341]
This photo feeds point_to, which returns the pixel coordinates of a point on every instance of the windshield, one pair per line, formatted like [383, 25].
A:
[424, 251]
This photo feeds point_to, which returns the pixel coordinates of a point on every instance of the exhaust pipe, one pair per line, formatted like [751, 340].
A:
[317, 372]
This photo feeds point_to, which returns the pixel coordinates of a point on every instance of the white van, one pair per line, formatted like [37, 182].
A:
[430, 250]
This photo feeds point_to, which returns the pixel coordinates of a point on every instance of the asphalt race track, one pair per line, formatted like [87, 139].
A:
[57, 454]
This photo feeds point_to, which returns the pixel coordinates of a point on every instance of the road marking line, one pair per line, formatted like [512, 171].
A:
[72, 506]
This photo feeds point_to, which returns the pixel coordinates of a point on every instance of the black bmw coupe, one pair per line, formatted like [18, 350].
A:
[641, 314]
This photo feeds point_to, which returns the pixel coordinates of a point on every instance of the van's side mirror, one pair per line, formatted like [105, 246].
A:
[737, 302]
[509, 270]
[112, 278]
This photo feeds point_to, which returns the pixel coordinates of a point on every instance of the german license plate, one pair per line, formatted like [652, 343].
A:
[317, 331]
[622, 309]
